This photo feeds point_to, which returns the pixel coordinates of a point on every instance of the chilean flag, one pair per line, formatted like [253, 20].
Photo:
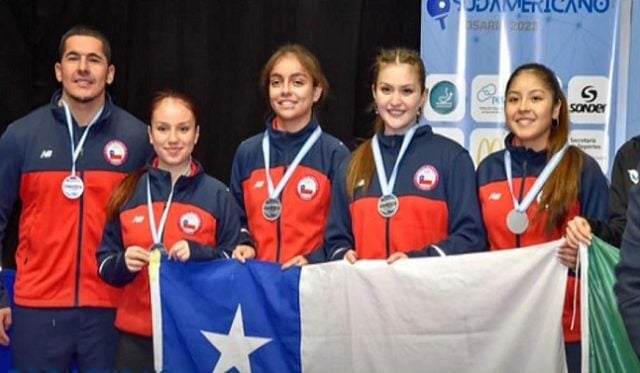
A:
[485, 312]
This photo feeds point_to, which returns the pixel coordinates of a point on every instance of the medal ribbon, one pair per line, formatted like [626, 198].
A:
[538, 184]
[275, 192]
[157, 233]
[387, 186]
[76, 150]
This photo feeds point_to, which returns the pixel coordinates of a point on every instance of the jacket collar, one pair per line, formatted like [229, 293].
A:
[280, 139]
[391, 141]
[162, 178]
[58, 110]
[520, 154]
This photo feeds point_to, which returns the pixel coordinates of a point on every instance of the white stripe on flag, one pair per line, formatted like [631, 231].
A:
[487, 312]
[156, 308]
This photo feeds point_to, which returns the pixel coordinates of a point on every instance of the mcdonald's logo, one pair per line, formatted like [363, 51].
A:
[486, 146]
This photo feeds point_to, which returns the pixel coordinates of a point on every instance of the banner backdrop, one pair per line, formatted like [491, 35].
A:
[470, 47]
[633, 118]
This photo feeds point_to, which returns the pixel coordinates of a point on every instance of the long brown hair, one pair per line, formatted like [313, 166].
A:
[561, 189]
[362, 165]
[123, 192]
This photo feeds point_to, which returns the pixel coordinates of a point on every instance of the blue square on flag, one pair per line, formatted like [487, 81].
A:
[223, 315]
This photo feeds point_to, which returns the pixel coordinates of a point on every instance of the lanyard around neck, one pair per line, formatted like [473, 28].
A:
[76, 150]
[386, 186]
[157, 233]
[538, 184]
[275, 192]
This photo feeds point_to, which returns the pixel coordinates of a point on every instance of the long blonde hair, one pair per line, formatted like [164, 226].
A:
[362, 165]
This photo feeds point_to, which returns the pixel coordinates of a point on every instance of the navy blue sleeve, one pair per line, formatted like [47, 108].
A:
[227, 230]
[466, 229]
[611, 230]
[238, 196]
[627, 287]
[10, 174]
[339, 153]
[338, 237]
[110, 254]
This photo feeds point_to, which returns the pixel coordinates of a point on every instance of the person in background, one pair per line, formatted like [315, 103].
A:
[63, 160]
[624, 175]
[282, 178]
[406, 192]
[172, 206]
[532, 188]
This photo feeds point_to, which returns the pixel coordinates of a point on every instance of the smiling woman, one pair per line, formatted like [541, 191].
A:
[292, 93]
[282, 178]
[432, 209]
[173, 132]
[171, 206]
[530, 190]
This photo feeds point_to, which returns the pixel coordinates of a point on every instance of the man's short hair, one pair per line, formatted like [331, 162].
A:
[83, 30]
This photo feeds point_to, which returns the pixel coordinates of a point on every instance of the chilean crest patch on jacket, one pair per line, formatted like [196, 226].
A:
[426, 178]
[307, 188]
[190, 222]
[115, 152]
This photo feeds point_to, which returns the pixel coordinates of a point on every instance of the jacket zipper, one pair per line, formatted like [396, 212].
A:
[387, 228]
[76, 301]
[279, 223]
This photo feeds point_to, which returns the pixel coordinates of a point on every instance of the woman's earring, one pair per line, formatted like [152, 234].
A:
[555, 123]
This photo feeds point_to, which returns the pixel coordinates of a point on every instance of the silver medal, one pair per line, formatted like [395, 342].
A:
[72, 187]
[517, 221]
[159, 246]
[388, 205]
[271, 209]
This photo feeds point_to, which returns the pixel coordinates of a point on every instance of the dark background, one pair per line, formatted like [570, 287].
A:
[212, 50]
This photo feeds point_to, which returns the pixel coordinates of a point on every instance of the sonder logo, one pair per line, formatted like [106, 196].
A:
[589, 93]
[588, 99]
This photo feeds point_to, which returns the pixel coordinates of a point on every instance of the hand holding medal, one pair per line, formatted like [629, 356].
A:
[180, 251]
[136, 257]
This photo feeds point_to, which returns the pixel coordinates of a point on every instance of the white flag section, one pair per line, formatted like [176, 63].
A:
[487, 312]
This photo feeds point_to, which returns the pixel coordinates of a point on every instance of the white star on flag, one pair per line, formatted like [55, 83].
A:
[234, 347]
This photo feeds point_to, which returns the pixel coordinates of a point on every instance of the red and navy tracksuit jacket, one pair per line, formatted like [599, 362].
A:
[305, 199]
[58, 237]
[496, 202]
[202, 212]
[438, 204]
